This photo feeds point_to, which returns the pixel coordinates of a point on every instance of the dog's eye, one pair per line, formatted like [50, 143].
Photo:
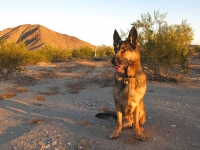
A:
[116, 47]
[123, 50]
[116, 50]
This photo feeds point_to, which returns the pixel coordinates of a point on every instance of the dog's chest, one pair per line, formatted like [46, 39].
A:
[120, 89]
[124, 88]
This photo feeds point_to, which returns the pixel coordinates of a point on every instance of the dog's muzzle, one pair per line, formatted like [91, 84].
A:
[114, 62]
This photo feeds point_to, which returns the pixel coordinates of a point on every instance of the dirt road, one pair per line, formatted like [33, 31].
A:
[54, 107]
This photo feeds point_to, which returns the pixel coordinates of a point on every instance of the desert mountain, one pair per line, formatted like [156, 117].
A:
[37, 36]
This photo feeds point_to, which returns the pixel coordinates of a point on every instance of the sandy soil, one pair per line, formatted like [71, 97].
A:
[54, 108]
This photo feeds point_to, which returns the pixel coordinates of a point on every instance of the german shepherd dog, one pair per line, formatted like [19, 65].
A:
[129, 86]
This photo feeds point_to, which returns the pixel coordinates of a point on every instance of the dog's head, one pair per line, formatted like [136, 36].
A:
[126, 52]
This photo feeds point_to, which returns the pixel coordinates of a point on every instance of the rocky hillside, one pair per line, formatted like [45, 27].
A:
[37, 36]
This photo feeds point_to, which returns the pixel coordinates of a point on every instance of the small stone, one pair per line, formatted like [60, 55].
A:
[48, 146]
[15, 148]
[173, 126]
[54, 143]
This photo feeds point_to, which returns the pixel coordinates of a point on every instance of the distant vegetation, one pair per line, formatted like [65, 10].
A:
[13, 56]
[164, 48]
[197, 48]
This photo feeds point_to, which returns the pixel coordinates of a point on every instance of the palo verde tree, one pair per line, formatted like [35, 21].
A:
[12, 56]
[164, 47]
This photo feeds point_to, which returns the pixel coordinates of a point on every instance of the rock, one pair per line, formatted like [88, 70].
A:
[48, 146]
[54, 143]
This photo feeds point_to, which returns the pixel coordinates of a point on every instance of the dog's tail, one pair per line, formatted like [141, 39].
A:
[106, 116]
[113, 116]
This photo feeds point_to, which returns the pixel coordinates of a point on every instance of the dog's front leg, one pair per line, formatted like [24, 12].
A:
[118, 126]
[138, 130]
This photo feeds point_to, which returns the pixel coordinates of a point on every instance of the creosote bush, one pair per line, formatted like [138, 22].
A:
[83, 53]
[104, 50]
[15, 55]
[12, 56]
[164, 48]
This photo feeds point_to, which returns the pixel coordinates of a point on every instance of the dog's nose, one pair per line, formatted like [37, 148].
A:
[114, 62]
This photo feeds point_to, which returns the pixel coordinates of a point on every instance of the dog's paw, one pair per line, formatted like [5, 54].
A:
[141, 137]
[114, 135]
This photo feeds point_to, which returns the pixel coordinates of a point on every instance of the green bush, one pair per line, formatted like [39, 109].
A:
[83, 53]
[48, 54]
[12, 56]
[164, 48]
[197, 49]
[104, 50]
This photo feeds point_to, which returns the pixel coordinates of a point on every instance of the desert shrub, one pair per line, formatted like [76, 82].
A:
[83, 53]
[197, 49]
[51, 54]
[48, 54]
[61, 55]
[34, 57]
[164, 47]
[12, 56]
[104, 50]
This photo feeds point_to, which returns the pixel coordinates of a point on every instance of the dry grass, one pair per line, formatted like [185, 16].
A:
[27, 80]
[106, 109]
[6, 95]
[37, 104]
[84, 123]
[75, 87]
[67, 70]
[39, 98]
[43, 69]
[11, 92]
[50, 92]
[21, 90]
[36, 121]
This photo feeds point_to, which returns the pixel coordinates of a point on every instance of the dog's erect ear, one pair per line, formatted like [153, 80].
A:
[116, 39]
[132, 37]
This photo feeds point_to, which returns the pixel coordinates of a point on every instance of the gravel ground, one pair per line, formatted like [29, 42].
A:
[57, 111]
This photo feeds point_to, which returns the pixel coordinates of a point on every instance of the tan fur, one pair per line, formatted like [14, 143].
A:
[129, 85]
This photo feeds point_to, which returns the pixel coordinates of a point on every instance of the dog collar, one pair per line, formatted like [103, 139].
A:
[126, 79]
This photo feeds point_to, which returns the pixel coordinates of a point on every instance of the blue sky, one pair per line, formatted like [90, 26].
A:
[94, 21]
